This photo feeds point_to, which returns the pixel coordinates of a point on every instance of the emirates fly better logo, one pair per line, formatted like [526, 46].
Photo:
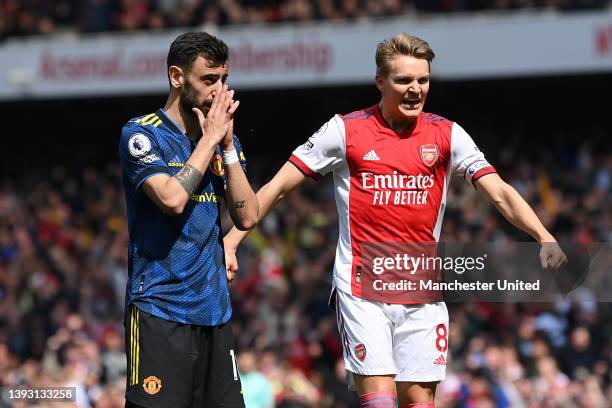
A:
[397, 188]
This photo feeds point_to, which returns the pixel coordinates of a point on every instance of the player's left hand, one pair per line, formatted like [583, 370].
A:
[228, 141]
[552, 256]
[216, 123]
[231, 264]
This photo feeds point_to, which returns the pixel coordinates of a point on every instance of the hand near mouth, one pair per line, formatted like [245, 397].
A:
[219, 118]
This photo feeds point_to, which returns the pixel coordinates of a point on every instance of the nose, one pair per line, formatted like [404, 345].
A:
[414, 87]
[217, 87]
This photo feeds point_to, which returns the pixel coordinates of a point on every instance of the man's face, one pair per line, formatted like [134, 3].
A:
[202, 83]
[405, 88]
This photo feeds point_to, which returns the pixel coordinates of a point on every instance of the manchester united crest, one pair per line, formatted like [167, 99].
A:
[216, 165]
[429, 154]
[152, 385]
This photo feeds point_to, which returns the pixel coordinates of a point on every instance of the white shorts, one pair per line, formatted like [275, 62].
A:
[408, 341]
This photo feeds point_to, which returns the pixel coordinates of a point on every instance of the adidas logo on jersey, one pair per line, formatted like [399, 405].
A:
[440, 360]
[371, 155]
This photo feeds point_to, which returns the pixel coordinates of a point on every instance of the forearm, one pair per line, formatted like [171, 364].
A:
[178, 189]
[287, 178]
[266, 197]
[240, 198]
[516, 210]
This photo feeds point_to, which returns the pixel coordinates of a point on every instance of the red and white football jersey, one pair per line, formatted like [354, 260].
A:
[389, 187]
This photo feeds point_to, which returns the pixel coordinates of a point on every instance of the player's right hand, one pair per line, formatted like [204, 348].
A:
[216, 124]
[552, 256]
[231, 263]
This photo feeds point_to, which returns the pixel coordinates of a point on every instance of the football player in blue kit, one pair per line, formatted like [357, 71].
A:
[178, 164]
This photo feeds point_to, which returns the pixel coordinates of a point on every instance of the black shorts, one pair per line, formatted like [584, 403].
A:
[179, 365]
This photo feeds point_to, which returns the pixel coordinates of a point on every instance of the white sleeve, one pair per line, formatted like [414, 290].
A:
[323, 151]
[467, 160]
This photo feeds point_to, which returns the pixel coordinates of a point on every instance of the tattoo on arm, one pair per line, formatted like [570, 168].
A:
[239, 204]
[188, 177]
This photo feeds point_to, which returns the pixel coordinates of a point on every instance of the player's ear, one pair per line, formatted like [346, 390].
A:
[177, 76]
[379, 82]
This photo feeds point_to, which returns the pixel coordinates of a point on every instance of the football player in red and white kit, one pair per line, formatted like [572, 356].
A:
[391, 164]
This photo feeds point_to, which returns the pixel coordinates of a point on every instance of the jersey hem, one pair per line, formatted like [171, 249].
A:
[152, 312]
[346, 288]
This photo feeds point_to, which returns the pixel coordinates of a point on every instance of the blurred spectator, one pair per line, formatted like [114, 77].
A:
[580, 355]
[256, 388]
[97, 15]
[36, 17]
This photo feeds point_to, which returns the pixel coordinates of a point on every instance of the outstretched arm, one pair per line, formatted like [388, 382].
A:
[516, 210]
[321, 154]
[287, 178]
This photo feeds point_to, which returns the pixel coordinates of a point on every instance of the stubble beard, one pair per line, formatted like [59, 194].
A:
[187, 101]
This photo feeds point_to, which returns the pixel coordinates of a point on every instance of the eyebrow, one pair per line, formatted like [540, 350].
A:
[210, 76]
[412, 76]
[214, 77]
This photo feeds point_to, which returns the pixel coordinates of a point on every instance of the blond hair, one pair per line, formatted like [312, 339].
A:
[401, 44]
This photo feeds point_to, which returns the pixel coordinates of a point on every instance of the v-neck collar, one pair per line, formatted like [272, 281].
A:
[406, 133]
[172, 125]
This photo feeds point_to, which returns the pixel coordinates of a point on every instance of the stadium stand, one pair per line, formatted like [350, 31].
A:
[40, 17]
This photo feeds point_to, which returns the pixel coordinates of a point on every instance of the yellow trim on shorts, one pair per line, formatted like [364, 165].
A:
[134, 345]
[137, 345]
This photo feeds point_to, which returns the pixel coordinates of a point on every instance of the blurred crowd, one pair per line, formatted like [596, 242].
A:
[63, 256]
[35, 17]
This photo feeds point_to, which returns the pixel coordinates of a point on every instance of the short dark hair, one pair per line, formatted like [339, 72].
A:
[186, 48]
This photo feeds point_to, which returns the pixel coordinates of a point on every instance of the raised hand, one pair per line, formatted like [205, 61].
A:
[228, 141]
[217, 123]
[552, 256]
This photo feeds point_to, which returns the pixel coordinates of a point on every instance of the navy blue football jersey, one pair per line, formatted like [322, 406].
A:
[176, 264]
